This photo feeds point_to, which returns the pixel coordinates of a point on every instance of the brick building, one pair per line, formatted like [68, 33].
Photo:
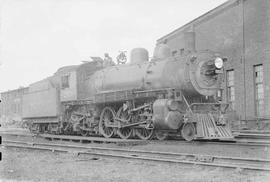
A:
[239, 30]
[11, 104]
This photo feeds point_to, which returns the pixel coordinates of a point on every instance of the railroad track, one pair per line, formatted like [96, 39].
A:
[168, 157]
[253, 135]
[239, 141]
[252, 131]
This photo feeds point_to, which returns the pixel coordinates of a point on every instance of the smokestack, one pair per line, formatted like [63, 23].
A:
[189, 41]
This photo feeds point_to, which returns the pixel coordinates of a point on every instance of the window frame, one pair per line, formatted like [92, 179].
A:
[258, 90]
[65, 83]
[230, 88]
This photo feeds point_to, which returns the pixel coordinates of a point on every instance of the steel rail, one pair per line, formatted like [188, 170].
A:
[184, 158]
[252, 131]
[241, 141]
[251, 135]
[237, 142]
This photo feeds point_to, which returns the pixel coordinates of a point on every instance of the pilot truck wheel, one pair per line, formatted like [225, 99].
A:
[188, 131]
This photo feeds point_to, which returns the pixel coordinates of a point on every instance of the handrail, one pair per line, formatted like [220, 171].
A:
[210, 104]
[187, 103]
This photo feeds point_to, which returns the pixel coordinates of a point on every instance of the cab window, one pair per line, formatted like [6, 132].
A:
[65, 81]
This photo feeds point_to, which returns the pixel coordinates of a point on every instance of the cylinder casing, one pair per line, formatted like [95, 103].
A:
[164, 118]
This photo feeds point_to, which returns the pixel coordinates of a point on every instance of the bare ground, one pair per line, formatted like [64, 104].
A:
[201, 148]
[28, 165]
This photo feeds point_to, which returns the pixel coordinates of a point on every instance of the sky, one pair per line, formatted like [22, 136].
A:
[39, 36]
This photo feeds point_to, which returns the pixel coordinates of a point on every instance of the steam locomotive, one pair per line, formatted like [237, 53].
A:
[168, 95]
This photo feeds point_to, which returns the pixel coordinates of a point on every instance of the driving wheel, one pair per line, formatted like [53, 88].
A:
[106, 117]
[126, 132]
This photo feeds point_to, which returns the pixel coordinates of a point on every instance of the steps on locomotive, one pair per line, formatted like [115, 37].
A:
[207, 128]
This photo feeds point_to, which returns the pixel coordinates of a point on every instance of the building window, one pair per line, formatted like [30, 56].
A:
[65, 81]
[14, 108]
[259, 93]
[230, 88]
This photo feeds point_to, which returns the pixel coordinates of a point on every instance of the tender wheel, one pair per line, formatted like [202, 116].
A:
[144, 133]
[84, 133]
[188, 131]
[161, 135]
[50, 129]
[53, 128]
[34, 128]
[107, 116]
[67, 129]
[43, 128]
[124, 133]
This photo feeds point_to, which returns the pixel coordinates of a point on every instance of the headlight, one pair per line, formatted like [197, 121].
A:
[218, 63]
